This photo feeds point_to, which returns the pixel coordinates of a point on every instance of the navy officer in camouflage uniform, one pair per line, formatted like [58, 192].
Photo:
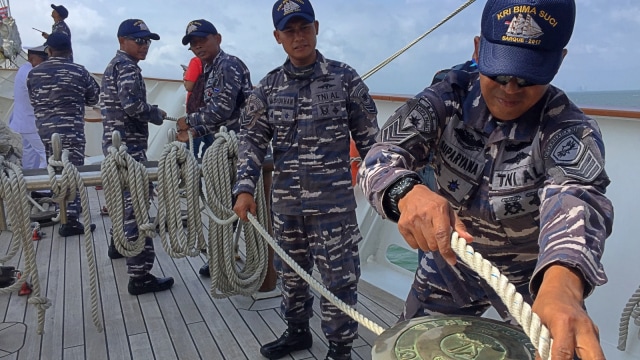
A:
[124, 108]
[308, 109]
[518, 165]
[59, 90]
[227, 86]
[59, 14]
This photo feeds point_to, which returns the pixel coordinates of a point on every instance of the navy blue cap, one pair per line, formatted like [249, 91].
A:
[58, 41]
[525, 38]
[136, 28]
[61, 10]
[198, 28]
[285, 10]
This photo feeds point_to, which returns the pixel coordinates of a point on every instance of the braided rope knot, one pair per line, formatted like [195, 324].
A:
[64, 188]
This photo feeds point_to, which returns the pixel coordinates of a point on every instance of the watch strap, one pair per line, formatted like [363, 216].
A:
[395, 192]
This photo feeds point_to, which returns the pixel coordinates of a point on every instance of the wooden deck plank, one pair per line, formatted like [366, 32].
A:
[73, 327]
[183, 323]
[156, 326]
[141, 347]
[74, 353]
[186, 305]
[205, 345]
[113, 319]
[53, 334]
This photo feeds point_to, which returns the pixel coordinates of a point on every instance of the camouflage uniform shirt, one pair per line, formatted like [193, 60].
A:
[530, 191]
[61, 27]
[308, 115]
[59, 90]
[228, 84]
[124, 107]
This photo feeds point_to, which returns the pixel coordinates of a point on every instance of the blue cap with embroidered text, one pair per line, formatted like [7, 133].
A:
[525, 38]
[198, 28]
[136, 28]
[58, 41]
[61, 10]
[285, 10]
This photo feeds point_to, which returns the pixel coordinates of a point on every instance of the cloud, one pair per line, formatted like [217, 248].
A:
[361, 33]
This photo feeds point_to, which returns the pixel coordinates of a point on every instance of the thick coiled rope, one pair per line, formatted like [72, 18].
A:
[218, 169]
[13, 189]
[178, 167]
[120, 172]
[631, 310]
[69, 183]
[519, 309]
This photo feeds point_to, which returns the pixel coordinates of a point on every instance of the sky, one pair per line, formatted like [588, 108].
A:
[602, 56]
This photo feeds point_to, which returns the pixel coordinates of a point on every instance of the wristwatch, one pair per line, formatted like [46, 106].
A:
[395, 192]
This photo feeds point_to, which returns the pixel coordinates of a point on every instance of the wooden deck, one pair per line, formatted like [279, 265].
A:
[183, 323]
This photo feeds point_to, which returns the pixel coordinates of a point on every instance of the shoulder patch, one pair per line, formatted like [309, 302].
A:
[577, 157]
[567, 150]
[421, 116]
[253, 109]
[361, 94]
[415, 117]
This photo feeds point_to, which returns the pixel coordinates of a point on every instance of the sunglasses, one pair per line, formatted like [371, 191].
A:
[505, 79]
[140, 41]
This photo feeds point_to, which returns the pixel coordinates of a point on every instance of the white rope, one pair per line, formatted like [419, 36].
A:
[401, 51]
[73, 182]
[631, 310]
[318, 286]
[519, 309]
[218, 169]
[13, 189]
[119, 171]
[178, 166]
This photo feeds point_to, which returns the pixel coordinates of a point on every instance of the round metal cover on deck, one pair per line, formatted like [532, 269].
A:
[452, 337]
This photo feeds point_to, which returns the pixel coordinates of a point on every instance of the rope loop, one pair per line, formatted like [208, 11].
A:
[219, 172]
[178, 168]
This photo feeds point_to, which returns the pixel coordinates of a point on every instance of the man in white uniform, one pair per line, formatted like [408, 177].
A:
[23, 120]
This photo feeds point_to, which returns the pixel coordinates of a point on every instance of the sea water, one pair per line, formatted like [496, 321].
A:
[623, 99]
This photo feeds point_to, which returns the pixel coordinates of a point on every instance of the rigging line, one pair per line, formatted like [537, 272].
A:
[399, 52]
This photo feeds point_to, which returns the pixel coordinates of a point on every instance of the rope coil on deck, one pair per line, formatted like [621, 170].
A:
[120, 172]
[218, 169]
[13, 188]
[178, 167]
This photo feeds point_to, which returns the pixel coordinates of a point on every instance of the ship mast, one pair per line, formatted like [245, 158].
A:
[10, 43]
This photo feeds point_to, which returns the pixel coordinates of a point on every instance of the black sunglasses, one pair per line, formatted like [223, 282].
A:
[505, 79]
[140, 41]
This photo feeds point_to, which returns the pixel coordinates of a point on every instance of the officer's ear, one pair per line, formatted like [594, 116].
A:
[276, 35]
[476, 48]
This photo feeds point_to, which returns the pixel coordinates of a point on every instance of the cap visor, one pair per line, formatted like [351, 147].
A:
[145, 34]
[285, 20]
[539, 67]
[187, 38]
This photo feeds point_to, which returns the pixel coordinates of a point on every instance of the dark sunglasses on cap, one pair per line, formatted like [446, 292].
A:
[140, 41]
[505, 79]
